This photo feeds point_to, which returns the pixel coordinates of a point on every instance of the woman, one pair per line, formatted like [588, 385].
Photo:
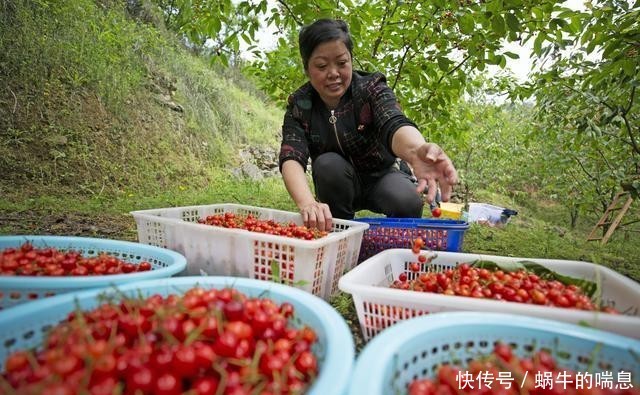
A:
[351, 125]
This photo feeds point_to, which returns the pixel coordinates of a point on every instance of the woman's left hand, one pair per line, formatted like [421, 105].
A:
[432, 167]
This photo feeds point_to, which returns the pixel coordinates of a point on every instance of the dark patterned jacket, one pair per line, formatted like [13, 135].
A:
[367, 117]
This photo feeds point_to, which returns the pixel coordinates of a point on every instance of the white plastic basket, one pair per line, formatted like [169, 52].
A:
[312, 265]
[379, 306]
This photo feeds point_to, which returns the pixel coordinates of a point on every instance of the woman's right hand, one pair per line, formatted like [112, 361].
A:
[317, 215]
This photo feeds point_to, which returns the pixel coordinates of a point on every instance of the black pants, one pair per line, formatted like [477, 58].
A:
[390, 192]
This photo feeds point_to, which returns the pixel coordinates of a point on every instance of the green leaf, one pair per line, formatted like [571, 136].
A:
[498, 25]
[502, 61]
[466, 24]
[215, 25]
[537, 44]
[512, 22]
[443, 63]
[275, 271]
[511, 55]
[494, 6]
[629, 67]
[609, 48]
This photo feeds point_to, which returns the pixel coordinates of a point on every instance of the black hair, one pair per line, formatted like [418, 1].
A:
[322, 31]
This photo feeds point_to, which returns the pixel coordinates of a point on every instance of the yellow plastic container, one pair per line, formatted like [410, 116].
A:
[451, 210]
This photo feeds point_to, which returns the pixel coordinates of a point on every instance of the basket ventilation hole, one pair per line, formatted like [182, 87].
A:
[406, 365]
[415, 359]
[584, 360]
[457, 345]
[529, 348]
[445, 347]
[434, 350]
[605, 365]
[424, 372]
[28, 335]
[470, 344]
[9, 342]
[484, 344]
[423, 355]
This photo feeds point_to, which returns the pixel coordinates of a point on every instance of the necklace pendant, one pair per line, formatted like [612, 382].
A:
[332, 118]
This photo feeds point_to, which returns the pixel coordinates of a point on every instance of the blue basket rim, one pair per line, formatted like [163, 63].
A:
[178, 264]
[412, 222]
[339, 350]
[373, 360]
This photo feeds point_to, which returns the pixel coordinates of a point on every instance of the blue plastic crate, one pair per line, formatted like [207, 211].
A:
[416, 348]
[25, 327]
[15, 290]
[386, 233]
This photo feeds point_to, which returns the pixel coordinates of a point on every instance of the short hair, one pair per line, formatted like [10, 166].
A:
[322, 31]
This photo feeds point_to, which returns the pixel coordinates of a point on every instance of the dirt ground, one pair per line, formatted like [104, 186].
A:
[111, 226]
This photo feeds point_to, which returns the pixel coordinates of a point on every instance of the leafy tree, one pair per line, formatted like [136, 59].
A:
[427, 49]
[586, 99]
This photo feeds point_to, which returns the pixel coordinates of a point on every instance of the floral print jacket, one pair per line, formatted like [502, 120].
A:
[360, 128]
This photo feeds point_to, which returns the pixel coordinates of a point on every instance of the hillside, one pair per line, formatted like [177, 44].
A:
[99, 100]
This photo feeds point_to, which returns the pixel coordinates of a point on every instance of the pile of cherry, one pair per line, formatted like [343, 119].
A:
[504, 373]
[27, 260]
[252, 224]
[518, 286]
[206, 341]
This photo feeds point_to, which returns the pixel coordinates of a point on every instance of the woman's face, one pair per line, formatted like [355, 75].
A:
[329, 71]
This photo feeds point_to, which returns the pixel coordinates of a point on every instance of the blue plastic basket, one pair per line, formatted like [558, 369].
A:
[416, 348]
[386, 233]
[15, 290]
[25, 327]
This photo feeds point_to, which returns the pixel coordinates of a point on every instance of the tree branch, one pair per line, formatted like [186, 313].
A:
[400, 66]
[290, 12]
[593, 98]
[405, 56]
[631, 98]
[589, 175]
[378, 40]
[453, 70]
[636, 149]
